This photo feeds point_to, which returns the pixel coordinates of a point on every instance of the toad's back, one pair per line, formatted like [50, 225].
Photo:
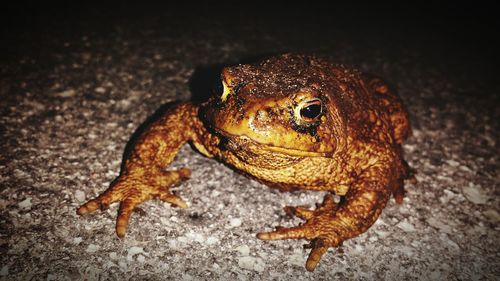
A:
[371, 108]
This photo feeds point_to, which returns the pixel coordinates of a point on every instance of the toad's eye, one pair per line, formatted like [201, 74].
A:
[309, 110]
[221, 89]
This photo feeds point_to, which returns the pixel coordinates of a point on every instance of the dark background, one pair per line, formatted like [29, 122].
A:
[463, 34]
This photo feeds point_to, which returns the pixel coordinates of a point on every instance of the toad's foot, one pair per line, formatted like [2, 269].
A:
[132, 189]
[321, 227]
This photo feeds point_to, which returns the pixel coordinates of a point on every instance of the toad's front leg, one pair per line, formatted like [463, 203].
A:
[331, 224]
[142, 176]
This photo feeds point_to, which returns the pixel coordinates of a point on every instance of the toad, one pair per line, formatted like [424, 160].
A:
[293, 122]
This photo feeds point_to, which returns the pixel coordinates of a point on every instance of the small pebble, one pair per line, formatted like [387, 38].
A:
[244, 250]
[474, 194]
[251, 263]
[25, 204]
[92, 248]
[406, 226]
[236, 222]
[80, 196]
[66, 94]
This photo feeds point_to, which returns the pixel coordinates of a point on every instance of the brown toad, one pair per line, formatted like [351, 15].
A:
[292, 122]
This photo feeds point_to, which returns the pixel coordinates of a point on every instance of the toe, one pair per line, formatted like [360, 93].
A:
[297, 232]
[300, 212]
[166, 196]
[126, 208]
[88, 207]
[328, 203]
[318, 250]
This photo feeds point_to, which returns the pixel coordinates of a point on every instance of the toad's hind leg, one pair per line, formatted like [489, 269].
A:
[407, 174]
[386, 97]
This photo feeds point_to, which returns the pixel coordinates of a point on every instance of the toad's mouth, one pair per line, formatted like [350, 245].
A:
[239, 143]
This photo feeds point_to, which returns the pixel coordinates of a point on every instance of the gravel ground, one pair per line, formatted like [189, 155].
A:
[76, 83]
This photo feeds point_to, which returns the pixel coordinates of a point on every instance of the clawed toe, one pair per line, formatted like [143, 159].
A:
[172, 199]
[318, 250]
[87, 208]
[91, 206]
[296, 232]
[300, 212]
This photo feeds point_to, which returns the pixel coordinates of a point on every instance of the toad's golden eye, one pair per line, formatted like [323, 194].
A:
[308, 110]
[222, 90]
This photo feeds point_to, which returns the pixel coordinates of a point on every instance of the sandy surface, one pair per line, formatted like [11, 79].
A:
[75, 85]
